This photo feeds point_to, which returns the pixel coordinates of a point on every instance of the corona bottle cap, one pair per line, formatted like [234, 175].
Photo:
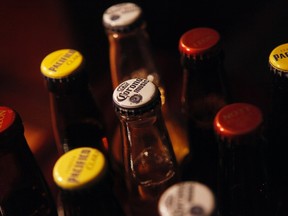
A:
[135, 96]
[187, 198]
[122, 17]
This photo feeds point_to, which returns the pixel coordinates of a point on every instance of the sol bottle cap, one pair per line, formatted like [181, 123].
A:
[135, 96]
[122, 17]
[61, 63]
[199, 42]
[79, 168]
[278, 59]
[237, 119]
[185, 199]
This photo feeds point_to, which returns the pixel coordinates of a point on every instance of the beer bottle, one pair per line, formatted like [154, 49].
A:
[76, 118]
[131, 56]
[188, 198]
[85, 183]
[277, 125]
[244, 187]
[149, 159]
[204, 92]
[23, 188]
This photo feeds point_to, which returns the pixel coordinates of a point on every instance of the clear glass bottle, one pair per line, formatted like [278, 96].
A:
[204, 92]
[277, 124]
[85, 183]
[76, 118]
[149, 160]
[131, 56]
[188, 198]
[244, 187]
[23, 187]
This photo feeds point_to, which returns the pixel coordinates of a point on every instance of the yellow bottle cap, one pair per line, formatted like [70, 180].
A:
[61, 63]
[278, 58]
[79, 168]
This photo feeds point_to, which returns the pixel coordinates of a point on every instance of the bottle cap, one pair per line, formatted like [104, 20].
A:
[7, 118]
[278, 60]
[199, 43]
[135, 96]
[237, 119]
[60, 64]
[187, 198]
[122, 17]
[79, 168]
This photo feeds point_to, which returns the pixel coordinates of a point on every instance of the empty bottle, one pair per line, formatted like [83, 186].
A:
[23, 188]
[149, 159]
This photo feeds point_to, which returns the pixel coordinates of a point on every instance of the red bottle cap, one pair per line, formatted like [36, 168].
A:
[198, 41]
[237, 119]
[7, 117]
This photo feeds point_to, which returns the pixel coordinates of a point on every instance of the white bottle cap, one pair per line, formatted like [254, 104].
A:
[136, 96]
[187, 199]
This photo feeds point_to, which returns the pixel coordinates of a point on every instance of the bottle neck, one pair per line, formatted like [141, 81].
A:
[131, 56]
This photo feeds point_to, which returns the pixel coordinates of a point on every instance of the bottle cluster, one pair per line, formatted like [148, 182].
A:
[216, 156]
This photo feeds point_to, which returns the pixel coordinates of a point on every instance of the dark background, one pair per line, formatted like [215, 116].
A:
[29, 30]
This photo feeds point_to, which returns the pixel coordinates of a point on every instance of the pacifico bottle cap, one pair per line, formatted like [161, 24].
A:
[187, 198]
[7, 118]
[61, 63]
[135, 96]
[237, 119]
[79, 168]
[199, 42]
[122, 17]
[278, 59]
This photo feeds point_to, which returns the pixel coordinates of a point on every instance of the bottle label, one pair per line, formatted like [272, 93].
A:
[61, 63]
[78, 168]
[187, 198]
[7, 117]
[121, 15]
[278, 58]
[134, 93]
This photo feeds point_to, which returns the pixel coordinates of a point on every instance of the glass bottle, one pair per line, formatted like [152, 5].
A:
[76, 118]
[149, 160]
[85, 183]
[131, 56]
[23, 188]
[277, 125]
[204, 92]
[244, 187]
[188, 198]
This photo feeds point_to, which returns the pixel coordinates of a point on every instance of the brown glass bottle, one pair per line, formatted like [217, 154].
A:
[204, 92]
[85, 181]
[276, 127]
[149, 159]
[244, 187]
[76, 118]
[23, 188]
[131, 56]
